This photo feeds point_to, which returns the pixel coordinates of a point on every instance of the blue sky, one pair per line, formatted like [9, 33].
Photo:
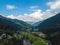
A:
[27, 7]
[22, 6]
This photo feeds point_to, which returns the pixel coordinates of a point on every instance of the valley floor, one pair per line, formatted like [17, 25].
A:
[22, 38]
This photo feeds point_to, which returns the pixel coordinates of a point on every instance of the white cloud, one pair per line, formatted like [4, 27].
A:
[54, 6]
[10, 6]
[54, 9]
[38, 14]
[26, 18]
[32, 17]
[47, 14]
[33, 7]
[23, 17]
[11, 16]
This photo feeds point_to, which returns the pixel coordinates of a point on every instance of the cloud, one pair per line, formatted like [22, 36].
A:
[11, 16]
[47, 14]
[10, 6]
[23, 17]
[26, 18]
[54, 9]
[32, 17]
[54, 6]
[38, 14]
[33, 7]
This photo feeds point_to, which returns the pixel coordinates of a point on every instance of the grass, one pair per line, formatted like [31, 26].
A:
[35, 40]
[38, 42]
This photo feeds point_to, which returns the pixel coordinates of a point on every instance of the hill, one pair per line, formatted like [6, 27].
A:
[8, 25]
[22, 24]
[50, 25]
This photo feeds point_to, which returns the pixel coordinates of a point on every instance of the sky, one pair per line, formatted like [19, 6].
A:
[29, 10]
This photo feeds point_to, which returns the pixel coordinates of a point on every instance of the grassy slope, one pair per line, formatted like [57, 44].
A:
[35, 40]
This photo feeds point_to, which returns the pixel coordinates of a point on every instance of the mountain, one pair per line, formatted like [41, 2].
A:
[9, 25]
[50, 25]
[37, 23]
[31, 23]
[22, 24]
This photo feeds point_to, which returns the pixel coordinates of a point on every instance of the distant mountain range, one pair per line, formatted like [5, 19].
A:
[47, 26]
[37, 23]
[31, 23]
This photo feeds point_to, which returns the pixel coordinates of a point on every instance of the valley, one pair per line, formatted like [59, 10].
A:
[18, 32]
